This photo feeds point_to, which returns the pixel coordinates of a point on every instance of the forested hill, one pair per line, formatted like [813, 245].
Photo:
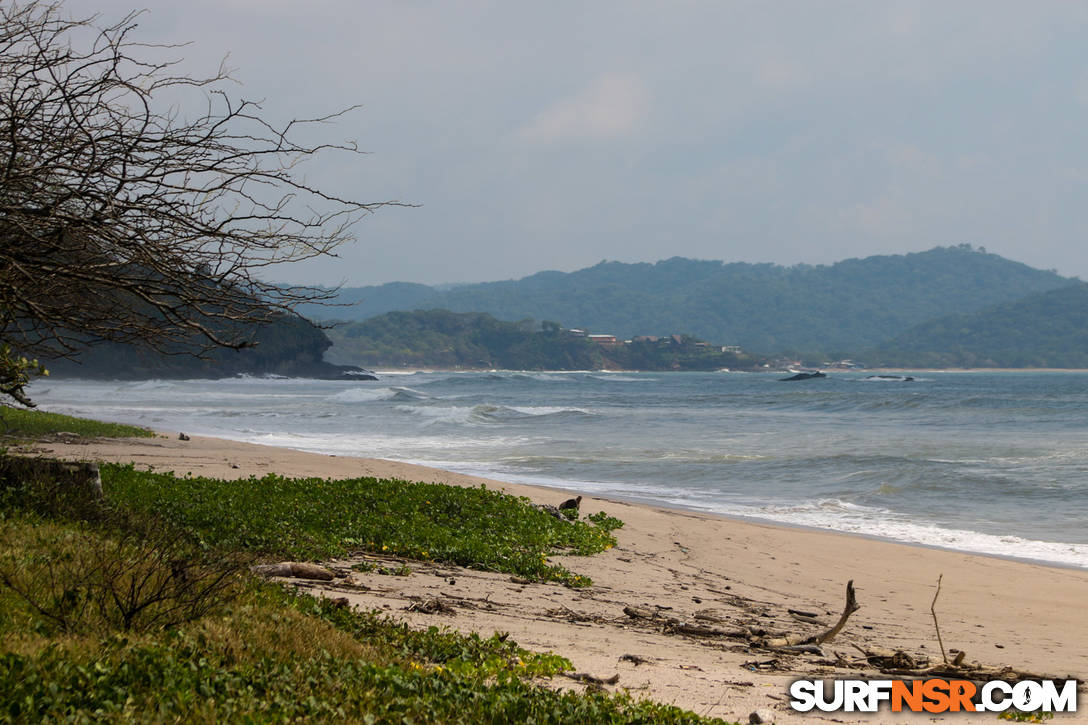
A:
[289, 345]
[848, 306]
[1044, 330]
[439, 338]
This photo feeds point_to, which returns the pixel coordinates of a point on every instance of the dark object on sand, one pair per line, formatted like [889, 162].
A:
[182, 437]
[296, 569]
[804, 376]
[571, 503]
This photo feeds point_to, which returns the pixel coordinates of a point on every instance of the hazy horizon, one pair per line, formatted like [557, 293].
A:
[553, 136]
[441, 285]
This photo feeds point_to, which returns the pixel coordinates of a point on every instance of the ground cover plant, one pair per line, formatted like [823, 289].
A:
[20, 422]
[312, 518]
[252, 652]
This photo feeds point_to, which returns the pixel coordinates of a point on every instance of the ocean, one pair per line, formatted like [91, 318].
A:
[993, 463]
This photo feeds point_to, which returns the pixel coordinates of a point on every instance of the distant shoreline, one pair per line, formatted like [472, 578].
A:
[831, 371]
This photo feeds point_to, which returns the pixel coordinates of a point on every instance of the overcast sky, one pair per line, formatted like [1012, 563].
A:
[552, 135]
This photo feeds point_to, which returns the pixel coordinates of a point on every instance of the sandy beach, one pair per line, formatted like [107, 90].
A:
[720, 572]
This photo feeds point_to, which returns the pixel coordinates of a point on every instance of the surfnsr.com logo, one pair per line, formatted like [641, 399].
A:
[933, 695]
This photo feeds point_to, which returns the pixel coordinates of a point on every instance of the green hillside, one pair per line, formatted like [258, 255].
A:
[439, 338]
[1043, 330]
[848, 306]
[288, 345]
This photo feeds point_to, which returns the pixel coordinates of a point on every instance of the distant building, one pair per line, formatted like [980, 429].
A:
[603, 339]
[574, 332]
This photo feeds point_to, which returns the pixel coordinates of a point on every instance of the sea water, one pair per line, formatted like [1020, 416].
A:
[992, 463]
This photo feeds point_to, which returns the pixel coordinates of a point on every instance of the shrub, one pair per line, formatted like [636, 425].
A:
[314, 518]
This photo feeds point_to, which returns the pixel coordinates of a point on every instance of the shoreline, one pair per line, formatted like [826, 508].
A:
[757, 520]
[414, 370]
[569, 488]
[999, 611]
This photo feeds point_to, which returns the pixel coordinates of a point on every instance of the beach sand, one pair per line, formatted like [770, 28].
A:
[1000, 612]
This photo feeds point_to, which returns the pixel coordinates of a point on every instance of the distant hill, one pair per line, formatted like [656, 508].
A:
[289, 345]
[439, 338]
[1046, 330]
[845, 307]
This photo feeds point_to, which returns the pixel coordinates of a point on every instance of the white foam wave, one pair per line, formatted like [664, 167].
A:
[368, 395]
[439, 413]
[546, 410]
[485, 413]
[837, 515]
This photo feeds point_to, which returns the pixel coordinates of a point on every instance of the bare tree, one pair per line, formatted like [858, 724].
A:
[123, 220]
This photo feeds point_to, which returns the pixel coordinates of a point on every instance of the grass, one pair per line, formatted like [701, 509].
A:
[312, 518]
[24, 423]
[141, 609]
[258, 652]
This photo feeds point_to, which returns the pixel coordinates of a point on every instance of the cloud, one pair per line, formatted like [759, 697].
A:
[610, 107]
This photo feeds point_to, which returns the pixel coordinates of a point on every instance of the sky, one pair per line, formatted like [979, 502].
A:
[555, 135]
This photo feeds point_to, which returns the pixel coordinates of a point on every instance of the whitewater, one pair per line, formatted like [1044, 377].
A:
[992, 463]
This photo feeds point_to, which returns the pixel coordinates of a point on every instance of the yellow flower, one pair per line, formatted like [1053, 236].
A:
[385, 548]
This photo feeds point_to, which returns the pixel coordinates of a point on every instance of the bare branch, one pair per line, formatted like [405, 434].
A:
[122, 221]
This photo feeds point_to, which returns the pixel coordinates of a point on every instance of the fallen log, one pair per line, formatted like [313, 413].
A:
[592, 679]
[699, 630]
[296, 569]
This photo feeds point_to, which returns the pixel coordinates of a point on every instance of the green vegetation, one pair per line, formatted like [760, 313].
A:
[208, 643]
[370, 566]
[1017, 716]
[313, 518]
[447, 339]
[19, 422]
[476, 340]
[852, 305]
[287, 345]
[1041, 331]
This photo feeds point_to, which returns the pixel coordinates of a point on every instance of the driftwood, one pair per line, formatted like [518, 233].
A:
[699, 630]
[653, 615]
[592, 679]
[887, 661]
[810, 649]
[431, 606]
[297, 569]
[754, 635]
[936, 625]
[796, 640]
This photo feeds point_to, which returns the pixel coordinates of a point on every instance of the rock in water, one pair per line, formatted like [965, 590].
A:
[804, 376]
